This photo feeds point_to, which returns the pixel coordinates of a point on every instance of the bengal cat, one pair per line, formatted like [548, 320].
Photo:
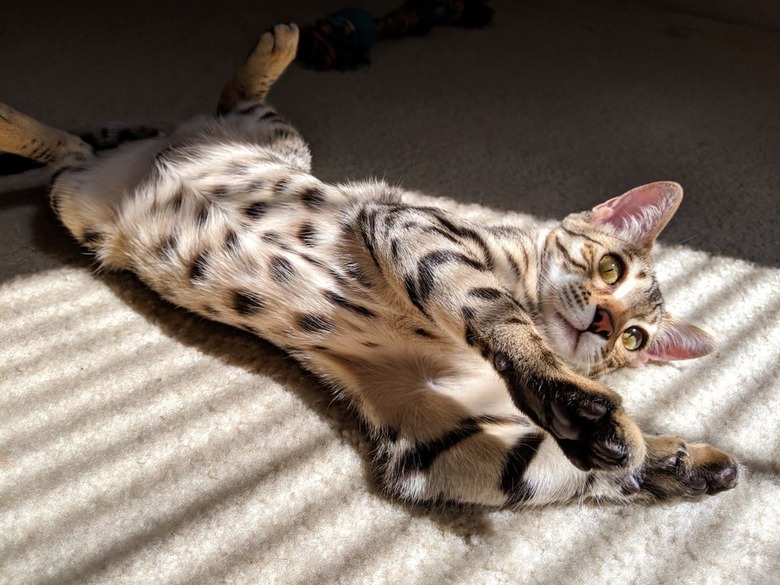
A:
[468, 351]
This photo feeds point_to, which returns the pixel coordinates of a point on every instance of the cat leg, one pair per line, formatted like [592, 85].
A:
[274, 51]
[25, 136]
[508, 462]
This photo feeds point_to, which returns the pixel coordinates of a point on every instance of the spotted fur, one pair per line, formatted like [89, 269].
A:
[468, 351]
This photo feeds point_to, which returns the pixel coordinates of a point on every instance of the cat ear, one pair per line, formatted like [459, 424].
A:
[678, 340]
[640, 214]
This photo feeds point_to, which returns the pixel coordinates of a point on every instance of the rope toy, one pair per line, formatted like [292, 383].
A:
[344, 39]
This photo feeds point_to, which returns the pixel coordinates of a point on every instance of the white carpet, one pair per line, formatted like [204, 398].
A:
[141, 444]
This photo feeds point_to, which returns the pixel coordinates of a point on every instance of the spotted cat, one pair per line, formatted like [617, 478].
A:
[468, 351]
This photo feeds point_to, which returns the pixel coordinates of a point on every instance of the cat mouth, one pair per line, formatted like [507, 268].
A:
[571, 333]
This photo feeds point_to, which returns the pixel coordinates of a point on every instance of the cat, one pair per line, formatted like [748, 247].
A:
[469, 352]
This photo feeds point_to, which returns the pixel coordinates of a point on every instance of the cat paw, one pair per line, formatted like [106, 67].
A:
[674, 469]
[277, 45]
[593, 431]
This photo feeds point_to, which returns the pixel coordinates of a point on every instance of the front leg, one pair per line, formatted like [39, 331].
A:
[446, 269]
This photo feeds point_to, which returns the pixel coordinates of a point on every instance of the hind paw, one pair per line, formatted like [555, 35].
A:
[674, 469]
[276, 47]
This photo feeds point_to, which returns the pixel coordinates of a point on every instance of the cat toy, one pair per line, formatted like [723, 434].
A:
[344, 39]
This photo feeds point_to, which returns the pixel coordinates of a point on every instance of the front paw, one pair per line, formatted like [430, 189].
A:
[593, 430]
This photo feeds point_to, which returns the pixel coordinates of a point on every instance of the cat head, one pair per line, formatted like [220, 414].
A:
[600, 302]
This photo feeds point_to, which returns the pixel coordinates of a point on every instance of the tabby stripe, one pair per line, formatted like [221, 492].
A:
[411, 291]
[426, 267]
[437, 230]
[568, 257]
[573, 233]
[339, 300]
[422, 455]
[367, 223]
[517, 461]
[470, 234]
[64, 169]
[485, 293]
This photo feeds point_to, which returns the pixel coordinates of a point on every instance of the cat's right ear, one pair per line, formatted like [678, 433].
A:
[640, 214]
[678, 340]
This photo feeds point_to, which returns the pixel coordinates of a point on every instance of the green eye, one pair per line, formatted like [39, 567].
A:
[633, 338]
[610, 269]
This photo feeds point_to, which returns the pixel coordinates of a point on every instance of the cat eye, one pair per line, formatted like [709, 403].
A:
[610, 269]
[633, 338]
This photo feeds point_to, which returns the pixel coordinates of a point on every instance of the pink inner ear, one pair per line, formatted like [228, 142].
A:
[678, 340]
[640, 214]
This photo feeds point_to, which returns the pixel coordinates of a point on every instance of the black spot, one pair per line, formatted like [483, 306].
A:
[281, 269]
[424, 333]
[199, 266]
[517, 461]
[202, 215]
[339, 300]
[312, 323]
[231, 241]
[486, 293]
[272, 237]
[92, 238]
[268, 115]
[168, 248]
[219, 191]
[247, 303]
[370, 344]
[257, 209]
[307, 234]
[281, 185]
[313, 197]
[176, 201]
[257, 185]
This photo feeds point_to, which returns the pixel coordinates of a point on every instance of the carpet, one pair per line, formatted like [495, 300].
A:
[142, 444]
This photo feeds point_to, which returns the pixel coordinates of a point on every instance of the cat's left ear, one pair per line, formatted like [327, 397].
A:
[678, 340]
[640, 214]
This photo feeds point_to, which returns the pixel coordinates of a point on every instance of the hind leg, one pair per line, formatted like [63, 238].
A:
[273, 53]
[25, 136]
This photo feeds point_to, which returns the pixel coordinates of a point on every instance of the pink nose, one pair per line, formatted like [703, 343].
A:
[602, 324]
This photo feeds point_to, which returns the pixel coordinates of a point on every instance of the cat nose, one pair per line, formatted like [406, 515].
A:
[602, 323]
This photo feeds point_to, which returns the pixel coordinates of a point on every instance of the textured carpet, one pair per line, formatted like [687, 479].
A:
[141, 444]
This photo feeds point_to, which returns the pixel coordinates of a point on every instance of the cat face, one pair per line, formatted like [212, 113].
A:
[600, 302]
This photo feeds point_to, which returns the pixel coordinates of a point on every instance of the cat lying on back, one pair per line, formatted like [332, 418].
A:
[468, 351]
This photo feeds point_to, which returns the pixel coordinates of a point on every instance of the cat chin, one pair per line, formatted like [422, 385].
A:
[562, 335]
[568, 341]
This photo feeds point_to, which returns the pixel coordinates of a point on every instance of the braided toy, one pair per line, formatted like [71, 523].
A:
[343, 40]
